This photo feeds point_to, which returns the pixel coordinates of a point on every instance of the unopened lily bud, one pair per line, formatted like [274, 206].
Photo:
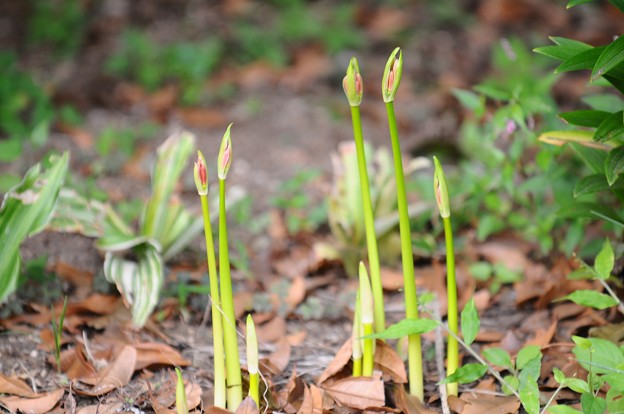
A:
[392, 75]
[252, 346]
[366, 297]
[225, 155]
[441, 190]
[201, 174]
[352, 83]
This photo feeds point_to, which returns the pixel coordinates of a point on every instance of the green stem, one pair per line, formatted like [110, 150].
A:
[232, 362]
[369, 223]
[217, 322]
[414, 348]
[453, 323]
[368, 358]
[254, 393]
[357, 367]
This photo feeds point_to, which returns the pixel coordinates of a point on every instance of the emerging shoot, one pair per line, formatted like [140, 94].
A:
[252, 360]
[181, 404]
[442, 198]
[366, 317]
[356, 339]
[390, 85]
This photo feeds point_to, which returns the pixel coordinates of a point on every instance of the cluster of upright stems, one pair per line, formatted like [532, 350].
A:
[369, 313]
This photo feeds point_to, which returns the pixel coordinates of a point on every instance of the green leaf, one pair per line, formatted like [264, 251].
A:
[469, 100]
[493, 92]
[614, 165]
[591, 184]
[560, 138]
[586, 117]
[618, 3]
[592, 404]
[605, 260]
[470, 322]
[611, 128]
[602, 356]
[498, 357]
[591, 298]
[615, 402]
[117, 242]
[25, 211]
[611, 57]
[592, 210]
[584, 60]
[138, 282]
[563, 49]
[573, 3]
[527, 354]
[530, 396]
[615, 381]
[172, 157]
[604, 102]
[577, 385]
[512, 384]
[466, 374]
[406, 327]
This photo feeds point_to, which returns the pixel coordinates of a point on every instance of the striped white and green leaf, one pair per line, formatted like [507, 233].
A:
[25, 211]
[138, 281]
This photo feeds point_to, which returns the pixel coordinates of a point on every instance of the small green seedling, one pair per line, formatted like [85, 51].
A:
[200, 174]
[57, 330]
[252, 361]
[354, 89]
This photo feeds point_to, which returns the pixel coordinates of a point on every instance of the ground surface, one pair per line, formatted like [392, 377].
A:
[286, 120]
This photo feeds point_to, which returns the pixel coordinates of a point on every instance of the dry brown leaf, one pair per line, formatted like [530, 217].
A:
[115, 375]
[312, 401]
[43, 403]
[202, 117]
[272, 331]
[153, 353]
[297, 338]
[357, 392]
[15, 386]
[101, 408]
[248, 406]
[75, 365]
[310, 63]
[166, 396]
[391, 365]
[293, 391]
[391, 279]
[491, 404]
[489, 336]
[409, 404]
[277, 362]
[80, 136]
[340, 361]
[217, 410]
[511, 253]
[243, 303]
[81, 279]
[296, 292]
[543, 336]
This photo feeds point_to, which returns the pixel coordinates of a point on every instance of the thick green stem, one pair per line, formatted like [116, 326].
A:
[232, 362]
[254, 393]
[368, 356]
[414, 348]
[217, 321]
[357, 367]
[452, 353]
[369, 222]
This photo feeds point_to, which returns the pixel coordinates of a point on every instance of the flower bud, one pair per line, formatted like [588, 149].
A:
[201, 174]
[225, 155]
[352, 83]
[366, 297]
[441, 190]
[252, 346]
[392, 75]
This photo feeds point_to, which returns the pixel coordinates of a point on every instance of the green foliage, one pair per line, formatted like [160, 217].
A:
[152, 65]
[57, 24]
[300, 212]
[25, 110]
[470, 322]
[506, 174]
[297, 22]
[25, 211]
[57, 330]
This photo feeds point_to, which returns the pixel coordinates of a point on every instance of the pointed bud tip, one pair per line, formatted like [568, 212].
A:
[252, 346]
[353, 84]
[225, 154]
[392, 75]
[441, 190]
[200, 174]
